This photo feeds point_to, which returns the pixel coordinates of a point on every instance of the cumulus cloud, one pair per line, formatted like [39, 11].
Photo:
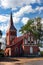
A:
[4, 22]
[27, 9]
[4, 26]
[24, 20]
[23, 10]
[3, 18]
[17, 15]
[38, 9]
[17, 3]
[16, 19]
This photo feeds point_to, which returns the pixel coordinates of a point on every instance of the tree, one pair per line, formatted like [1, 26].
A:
[32, 28]
[38, 20]
[27, 28]
[0, 33]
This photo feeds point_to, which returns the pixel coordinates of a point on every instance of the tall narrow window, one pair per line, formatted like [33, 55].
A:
[31, 38]
[28, 39]
[34, 41]
[25, 41]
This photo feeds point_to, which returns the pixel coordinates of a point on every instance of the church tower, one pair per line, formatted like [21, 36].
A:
[11, 32]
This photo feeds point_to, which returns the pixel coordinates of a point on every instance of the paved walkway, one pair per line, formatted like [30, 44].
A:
[21, 61]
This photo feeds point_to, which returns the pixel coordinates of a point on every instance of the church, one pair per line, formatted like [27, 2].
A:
[19, 46]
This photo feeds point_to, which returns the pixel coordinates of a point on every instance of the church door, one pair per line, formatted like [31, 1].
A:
[31, 50]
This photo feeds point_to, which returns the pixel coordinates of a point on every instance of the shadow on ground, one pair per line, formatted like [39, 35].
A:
[8, 59]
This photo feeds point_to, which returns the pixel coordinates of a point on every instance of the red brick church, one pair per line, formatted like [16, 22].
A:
[19, 46]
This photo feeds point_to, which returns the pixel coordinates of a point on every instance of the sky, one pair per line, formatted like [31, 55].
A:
[22, 11]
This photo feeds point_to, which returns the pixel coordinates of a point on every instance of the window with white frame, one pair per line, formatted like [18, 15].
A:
[34, 42]
[25, 41]
[31, 38]
[28, 38]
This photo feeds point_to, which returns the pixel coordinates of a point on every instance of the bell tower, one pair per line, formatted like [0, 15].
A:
[11, 32]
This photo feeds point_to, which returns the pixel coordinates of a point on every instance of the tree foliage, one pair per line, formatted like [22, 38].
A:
[27, 27]
[30, 27]
[0, 33]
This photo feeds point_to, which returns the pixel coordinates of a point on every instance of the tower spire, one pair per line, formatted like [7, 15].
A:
[11, 27]
[11, 20]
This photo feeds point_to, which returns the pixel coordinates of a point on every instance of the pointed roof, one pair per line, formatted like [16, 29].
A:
[12, 27]
[11, 19]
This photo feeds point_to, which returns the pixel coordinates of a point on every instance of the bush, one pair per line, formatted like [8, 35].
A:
[41, 52]
[40, 45]
[1, 53]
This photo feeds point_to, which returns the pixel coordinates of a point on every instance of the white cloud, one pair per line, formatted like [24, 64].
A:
[39, 8]
[27, 9]
[4, 27]
[17, 15]
[17, 3]
[39, 1]
[23, 10]
[16, 19]
[24, 20]
[3, 18]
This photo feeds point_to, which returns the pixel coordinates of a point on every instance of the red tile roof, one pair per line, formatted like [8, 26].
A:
[18, 39]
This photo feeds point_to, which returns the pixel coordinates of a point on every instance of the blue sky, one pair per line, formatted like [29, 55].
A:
[22, 11]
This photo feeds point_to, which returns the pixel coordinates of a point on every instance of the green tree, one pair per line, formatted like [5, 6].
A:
[27, 28]
[0, 33]
[30, 27]
[38, 20]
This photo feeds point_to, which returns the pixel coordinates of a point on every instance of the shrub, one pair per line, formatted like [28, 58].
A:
[41, 52]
